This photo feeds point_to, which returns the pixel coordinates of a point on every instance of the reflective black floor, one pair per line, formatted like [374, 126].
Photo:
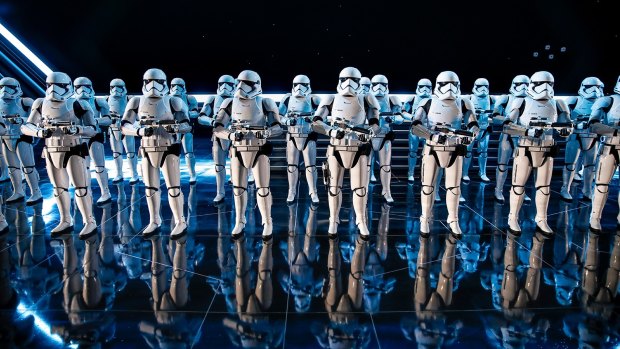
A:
[304, 290]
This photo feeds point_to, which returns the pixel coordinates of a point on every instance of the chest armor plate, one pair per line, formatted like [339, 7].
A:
[613, 115]
[217, 102]
[155, 108]
[59, 111]
[446, 112]
[583, 107]
[350, 109]
[117, 105]
[299, 105]
[12, 108]
[248, 110]
[538, 110]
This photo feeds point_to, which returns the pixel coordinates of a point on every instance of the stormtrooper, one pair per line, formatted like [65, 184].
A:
[605, 121]
[178, 89]
[581, 140]
[535, 119]
[423, 91]
[505, 149]
[439, 121]
[297, 109]
[117, 101]
[350, 147]
[366, 84]
[252, 119]
[390, 113]
[157, 117]
[16, 147]
[483, 104]
[101, 111]
[225, 89]
[63, 121]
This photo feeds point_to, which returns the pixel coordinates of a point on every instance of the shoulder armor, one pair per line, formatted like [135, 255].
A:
[226, 103]
[269, 105]
[467, 104]
[27, 103]
[394, 100]
[83, 104]
[134, 102]
[372, 101]
[561, 106]
[176, 103]
[37, 104]
[517, 103]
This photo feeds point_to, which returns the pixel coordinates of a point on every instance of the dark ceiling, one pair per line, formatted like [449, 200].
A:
[405, 41]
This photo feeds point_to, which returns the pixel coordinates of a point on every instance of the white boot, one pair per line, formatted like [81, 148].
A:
[65, 226]
[118, 161]
[565, 194]
[499, 196]
[154, 204]
[32, 178]
[15, 175]
[190, 161]
[102, 179]
[176, 206]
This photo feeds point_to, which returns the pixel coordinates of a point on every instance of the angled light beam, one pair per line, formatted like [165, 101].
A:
[24, 50]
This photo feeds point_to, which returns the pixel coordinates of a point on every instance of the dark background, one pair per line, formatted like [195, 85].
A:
[406, 41]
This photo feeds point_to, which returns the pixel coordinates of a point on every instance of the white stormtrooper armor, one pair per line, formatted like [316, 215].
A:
[101, 111]
[63, 121]
[252, 119]
[366, 84]
[439, 121]
[423, 90]
[535, 118]
[483, 104]
[605, 121]
[225, 89]
[178, 89]
[158, 117]
[518, 89]
[297, 109]
[117, 101]
[350, 148]
[16, 147]
[582, 140]
[390, 113]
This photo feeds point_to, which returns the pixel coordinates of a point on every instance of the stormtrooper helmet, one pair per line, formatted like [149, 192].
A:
[541, 86]
[379, 85]
[10, 89]
[118, 88]
[349, 81]
[518, 88]
[226, 86]
[591, 88]
[447, 85]
[301, 86]
[248, 85]
[154, 83]
[365, 82]
[58, 87]
[177, 87]
[481, 87]
[424, 88]
[83, 88]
